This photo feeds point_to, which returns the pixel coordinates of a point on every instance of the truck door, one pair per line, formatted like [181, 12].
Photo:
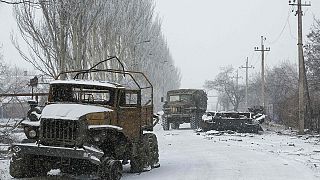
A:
[129, 114]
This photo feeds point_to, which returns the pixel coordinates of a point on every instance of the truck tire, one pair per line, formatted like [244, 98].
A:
[175, 125]
[194, 121]
[26, 166]
[151, 142]
[165, 124]
[110, 169]
[138, 161]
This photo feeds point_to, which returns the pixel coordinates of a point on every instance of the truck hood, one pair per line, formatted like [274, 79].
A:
[70, 111]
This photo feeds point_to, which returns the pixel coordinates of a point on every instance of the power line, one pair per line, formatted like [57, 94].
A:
[290, 31]
[284, 27]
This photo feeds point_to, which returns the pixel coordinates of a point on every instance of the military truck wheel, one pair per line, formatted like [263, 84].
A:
[116, 170]
[110, 169]
[139, 160]
[194, 121]
[151, 142]
[24, 166]
[165, 124]
[175, 125]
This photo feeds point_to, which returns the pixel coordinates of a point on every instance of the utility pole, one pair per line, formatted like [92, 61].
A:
[237, 93]
[302, 77]
[263, 49]
[247, 67]
[237, 77]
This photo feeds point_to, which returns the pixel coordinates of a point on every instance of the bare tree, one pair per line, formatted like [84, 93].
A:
[70, 35]
[312, 50]
[224, 84]
[281, 92]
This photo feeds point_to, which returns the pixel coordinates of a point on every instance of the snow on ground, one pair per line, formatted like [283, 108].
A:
[185, 154]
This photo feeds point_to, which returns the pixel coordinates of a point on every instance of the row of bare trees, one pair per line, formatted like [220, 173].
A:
[64, 35]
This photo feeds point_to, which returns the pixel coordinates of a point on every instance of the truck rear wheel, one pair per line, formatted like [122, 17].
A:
[165, 124]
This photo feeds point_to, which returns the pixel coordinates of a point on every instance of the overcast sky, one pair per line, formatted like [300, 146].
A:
[204, 35]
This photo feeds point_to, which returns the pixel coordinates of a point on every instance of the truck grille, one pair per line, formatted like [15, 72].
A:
[59, 130]
[176, 109]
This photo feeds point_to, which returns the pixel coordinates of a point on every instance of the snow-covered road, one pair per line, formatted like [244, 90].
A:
[187, 155]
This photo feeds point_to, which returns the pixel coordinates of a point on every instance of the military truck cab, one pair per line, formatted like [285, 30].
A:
[91, 126]
[184, 106]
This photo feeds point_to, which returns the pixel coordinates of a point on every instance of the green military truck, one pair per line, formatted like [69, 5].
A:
[184, 106]
[90, 126]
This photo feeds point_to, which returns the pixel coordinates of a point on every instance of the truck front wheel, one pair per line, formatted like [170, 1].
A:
[151, 143]
[24, 166]
[175, 125]
[110, 169]
[165, 124]
[194, 121]
[138, 161]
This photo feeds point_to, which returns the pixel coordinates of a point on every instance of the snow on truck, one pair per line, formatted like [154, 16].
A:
[90, 126]
[184, 106]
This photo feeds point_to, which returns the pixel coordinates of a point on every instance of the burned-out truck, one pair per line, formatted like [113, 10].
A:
[91, 126]
[184, 106]
[242, 122]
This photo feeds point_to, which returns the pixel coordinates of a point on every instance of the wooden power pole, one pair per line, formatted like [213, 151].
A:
[247, 79]
[263, 49]
[237, 77]
[302, 77]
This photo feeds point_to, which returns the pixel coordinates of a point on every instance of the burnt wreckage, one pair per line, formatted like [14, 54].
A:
[184, 106]
[242, 122]
[90, 126]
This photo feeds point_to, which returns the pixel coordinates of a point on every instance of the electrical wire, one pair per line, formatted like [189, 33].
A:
[290, 30]
[284, 27]
[257, 60]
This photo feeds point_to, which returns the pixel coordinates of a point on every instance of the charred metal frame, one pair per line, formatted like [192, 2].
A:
[116, 71]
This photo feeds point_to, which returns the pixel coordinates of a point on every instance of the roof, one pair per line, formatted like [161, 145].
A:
[184, 91]
[87, 82]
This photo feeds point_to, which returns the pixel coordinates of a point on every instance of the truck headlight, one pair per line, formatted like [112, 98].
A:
[32, 133]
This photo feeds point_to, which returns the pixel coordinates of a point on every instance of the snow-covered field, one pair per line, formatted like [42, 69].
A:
[185, 154]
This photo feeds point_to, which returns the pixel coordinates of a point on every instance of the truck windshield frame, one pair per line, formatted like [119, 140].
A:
[82, 94]
[179, 97]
